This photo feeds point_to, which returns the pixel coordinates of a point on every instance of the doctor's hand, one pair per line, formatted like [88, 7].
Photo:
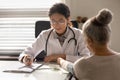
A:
[54, 57]
[27, 60]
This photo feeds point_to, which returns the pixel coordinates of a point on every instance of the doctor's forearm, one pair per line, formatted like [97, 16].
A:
[54, 57]
[61, 56]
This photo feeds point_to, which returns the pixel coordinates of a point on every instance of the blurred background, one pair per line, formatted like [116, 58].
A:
[18, 17]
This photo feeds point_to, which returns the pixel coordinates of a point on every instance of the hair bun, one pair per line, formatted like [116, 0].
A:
[104, 16]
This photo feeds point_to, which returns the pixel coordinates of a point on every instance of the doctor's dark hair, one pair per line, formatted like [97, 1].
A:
[97, 28]
[60, 8]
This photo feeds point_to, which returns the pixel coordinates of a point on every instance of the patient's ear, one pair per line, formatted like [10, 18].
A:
[89, 41]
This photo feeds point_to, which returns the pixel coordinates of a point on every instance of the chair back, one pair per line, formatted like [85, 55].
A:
[43, 25]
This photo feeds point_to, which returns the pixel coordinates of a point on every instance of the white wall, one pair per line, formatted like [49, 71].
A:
[90, 8]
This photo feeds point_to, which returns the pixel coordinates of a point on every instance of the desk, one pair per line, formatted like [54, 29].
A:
[40, 74]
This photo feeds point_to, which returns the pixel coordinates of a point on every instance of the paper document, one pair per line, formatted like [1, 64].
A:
[24, 69]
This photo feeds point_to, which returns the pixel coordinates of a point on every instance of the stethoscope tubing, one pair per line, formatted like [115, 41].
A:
[68, 40]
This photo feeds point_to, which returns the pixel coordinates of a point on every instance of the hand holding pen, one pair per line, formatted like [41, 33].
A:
[28, 60]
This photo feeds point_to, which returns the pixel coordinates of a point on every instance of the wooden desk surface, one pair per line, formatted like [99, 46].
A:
[43, 73]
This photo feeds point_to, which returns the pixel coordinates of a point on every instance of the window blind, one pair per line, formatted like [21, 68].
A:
[16, 34]
[17, 24]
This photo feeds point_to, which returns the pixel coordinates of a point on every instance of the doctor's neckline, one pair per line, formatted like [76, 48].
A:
[62, 33]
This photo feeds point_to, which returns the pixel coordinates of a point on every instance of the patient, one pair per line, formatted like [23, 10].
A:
[104, 64]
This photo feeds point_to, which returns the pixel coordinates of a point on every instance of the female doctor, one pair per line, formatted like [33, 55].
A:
[59, 41]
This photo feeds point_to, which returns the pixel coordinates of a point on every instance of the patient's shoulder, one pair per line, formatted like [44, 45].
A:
[81, 62]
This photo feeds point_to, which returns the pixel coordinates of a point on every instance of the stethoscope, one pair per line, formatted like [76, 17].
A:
[73, 38]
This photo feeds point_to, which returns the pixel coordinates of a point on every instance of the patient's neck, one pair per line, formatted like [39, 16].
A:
[103, 51]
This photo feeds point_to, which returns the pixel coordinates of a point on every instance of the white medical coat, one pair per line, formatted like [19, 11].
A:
[54, 46]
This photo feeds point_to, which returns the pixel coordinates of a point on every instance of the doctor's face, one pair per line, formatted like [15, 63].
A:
[59, 23]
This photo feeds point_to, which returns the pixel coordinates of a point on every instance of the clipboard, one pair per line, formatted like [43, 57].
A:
[24, 69]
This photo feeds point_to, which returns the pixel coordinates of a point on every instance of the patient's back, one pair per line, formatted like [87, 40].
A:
[98, 68]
